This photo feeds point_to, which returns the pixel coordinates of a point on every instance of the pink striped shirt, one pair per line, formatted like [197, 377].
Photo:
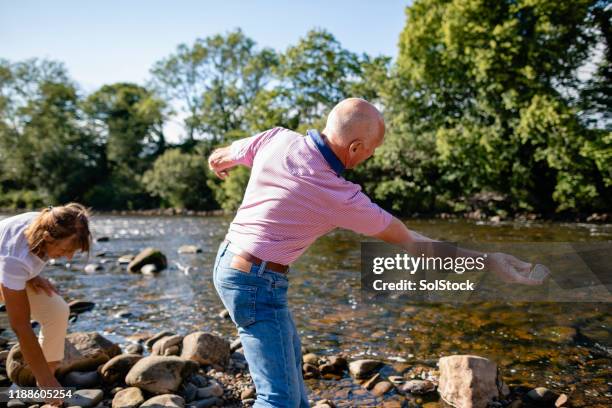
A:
[296, 195]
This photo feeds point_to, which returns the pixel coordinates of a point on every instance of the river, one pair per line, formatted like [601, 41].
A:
[563, 346]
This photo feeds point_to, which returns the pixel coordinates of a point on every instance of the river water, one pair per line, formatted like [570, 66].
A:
[566, 347]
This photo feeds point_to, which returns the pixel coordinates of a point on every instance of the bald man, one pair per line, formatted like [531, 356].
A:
[296, 193]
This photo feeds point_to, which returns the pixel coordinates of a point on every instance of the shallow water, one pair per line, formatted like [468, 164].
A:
[563, 346]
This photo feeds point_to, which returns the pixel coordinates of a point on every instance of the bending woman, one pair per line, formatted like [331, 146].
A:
[27, 242]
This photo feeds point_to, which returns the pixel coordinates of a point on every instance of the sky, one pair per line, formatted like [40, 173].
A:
[103, 42]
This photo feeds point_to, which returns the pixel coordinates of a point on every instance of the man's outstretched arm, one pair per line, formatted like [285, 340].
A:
[506, 267]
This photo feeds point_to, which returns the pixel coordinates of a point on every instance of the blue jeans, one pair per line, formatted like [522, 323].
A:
[257, 304]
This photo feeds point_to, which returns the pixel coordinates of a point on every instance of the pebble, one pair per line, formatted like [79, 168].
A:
[123, 314]
[93, 268]
[82, 379]
[164, 400]
[134, 348]
[542, 394]
[311, 358]
[198, 380]
[85, 398]
[149, 270]
[361, 369]
[369, 384]
[310, 371]
[189, 249]
[235, 345]
[417, 387]
[247, 393]
[206, 403]
[128, 398]
[148, 256]
[163, 345]
[115, 369]
[382, 388]
[189, 391]
[339, 362]
[80, 306]
[151, 340]
[213, 390]
[125, 259]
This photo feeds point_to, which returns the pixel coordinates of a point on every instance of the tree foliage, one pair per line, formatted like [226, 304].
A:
[485, 94]
[487, 106]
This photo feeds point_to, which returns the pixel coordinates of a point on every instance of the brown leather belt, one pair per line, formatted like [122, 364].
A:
[273, 266]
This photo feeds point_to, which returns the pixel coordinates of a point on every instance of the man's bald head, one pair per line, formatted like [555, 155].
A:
[353, 130]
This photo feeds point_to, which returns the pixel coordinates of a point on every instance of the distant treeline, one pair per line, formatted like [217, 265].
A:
[501, 106]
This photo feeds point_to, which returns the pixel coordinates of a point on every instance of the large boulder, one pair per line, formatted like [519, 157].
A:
[160, 375]
[206, 348]
[117, 367]
[468, 381]
[146, 257]
[83, 351]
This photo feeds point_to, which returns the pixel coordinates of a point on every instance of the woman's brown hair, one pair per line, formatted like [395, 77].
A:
[70, 220]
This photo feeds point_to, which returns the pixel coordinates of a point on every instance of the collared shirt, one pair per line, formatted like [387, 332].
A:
[296, 194]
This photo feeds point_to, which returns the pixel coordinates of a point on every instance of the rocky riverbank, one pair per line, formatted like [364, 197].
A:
[200, 370]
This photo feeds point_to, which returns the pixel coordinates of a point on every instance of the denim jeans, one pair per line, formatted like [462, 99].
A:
[257, 303]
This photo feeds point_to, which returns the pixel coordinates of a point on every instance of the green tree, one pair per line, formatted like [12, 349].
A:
[214, 82]
[317, 72]
[128, 120]
[485, 91]
[45, 153]
[180, 180]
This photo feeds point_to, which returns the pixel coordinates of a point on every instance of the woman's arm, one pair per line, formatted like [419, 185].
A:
[18, 309]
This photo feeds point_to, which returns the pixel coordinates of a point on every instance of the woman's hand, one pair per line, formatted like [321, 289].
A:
[50, 384]
[512, 270]
[39, 283]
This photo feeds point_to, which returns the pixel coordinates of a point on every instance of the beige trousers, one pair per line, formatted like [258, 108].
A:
[52, 313]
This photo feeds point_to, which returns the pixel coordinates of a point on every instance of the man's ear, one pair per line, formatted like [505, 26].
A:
[355, 146]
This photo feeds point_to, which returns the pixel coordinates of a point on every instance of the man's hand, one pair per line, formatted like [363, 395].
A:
[220, 162]
[39, 283]
[512, 270]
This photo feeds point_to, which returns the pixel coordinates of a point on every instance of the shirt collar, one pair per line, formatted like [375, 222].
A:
[326, 151]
